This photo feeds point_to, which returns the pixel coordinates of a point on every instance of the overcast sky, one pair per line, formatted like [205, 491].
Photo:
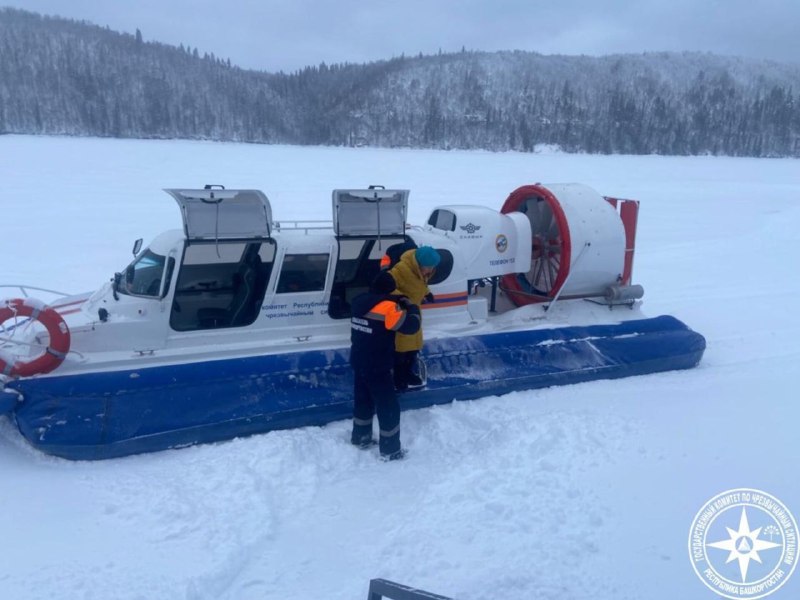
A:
[275, 35]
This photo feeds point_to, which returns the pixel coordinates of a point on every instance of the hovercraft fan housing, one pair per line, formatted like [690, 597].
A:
[582, 243]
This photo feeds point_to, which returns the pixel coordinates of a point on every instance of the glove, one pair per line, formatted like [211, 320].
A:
[429, 297]
[404, 302]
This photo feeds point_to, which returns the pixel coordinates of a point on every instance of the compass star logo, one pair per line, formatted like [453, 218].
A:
[744, 545]
[749, 560]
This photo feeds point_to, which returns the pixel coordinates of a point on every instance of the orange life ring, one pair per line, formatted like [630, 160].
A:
[56, 327]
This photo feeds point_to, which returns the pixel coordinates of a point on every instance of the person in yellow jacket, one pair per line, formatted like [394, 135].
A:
[411, 274]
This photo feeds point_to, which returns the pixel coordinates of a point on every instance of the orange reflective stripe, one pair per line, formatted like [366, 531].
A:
[395, 319]
[390, 313]
[386, 261]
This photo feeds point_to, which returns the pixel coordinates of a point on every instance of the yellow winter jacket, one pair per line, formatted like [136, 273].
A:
[411, 284]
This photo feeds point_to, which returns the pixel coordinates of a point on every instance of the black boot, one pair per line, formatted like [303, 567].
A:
[414, 375]
[364, 443]
[362, 435]
[402, 367]
[398, 455]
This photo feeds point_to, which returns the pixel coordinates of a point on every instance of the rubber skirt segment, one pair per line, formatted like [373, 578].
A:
[104, 415]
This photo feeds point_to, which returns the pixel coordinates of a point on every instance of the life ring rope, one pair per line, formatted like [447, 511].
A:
[57, 349]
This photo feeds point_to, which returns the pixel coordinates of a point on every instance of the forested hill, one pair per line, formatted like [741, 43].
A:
[65, 77]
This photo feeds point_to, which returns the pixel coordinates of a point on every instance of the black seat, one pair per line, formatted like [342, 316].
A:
[247, 282]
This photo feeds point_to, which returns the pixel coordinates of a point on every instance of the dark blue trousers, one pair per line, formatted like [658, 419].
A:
[374, 393]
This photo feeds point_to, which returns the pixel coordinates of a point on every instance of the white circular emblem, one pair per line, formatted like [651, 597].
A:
[501, 243]
[743, 544]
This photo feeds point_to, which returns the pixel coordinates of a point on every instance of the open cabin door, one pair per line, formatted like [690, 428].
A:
[374, 212]
[219, 214]
[366, 223]
[228, 259]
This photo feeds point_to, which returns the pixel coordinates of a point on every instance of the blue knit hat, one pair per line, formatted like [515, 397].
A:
[427, 256]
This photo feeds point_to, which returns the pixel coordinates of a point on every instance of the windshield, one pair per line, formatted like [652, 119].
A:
[143, 276]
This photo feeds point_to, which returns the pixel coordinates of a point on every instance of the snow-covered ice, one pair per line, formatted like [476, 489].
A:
[584, 491]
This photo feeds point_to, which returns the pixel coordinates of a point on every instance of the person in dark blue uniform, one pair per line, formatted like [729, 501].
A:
[377, 316]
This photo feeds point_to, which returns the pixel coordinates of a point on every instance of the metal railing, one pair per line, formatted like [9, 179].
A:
[304, 225]
[382, 588]
[24, 289]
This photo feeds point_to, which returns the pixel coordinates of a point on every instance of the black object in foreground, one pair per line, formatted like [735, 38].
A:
[381, 588]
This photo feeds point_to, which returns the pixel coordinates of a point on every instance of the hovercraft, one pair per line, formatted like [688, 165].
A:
[238, 324]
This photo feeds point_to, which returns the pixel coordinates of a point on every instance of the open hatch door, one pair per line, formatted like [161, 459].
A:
[372, 212]
[220, 214]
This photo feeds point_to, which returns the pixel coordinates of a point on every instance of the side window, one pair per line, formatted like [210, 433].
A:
[303, 273]
[443, 219]
[221, 284]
